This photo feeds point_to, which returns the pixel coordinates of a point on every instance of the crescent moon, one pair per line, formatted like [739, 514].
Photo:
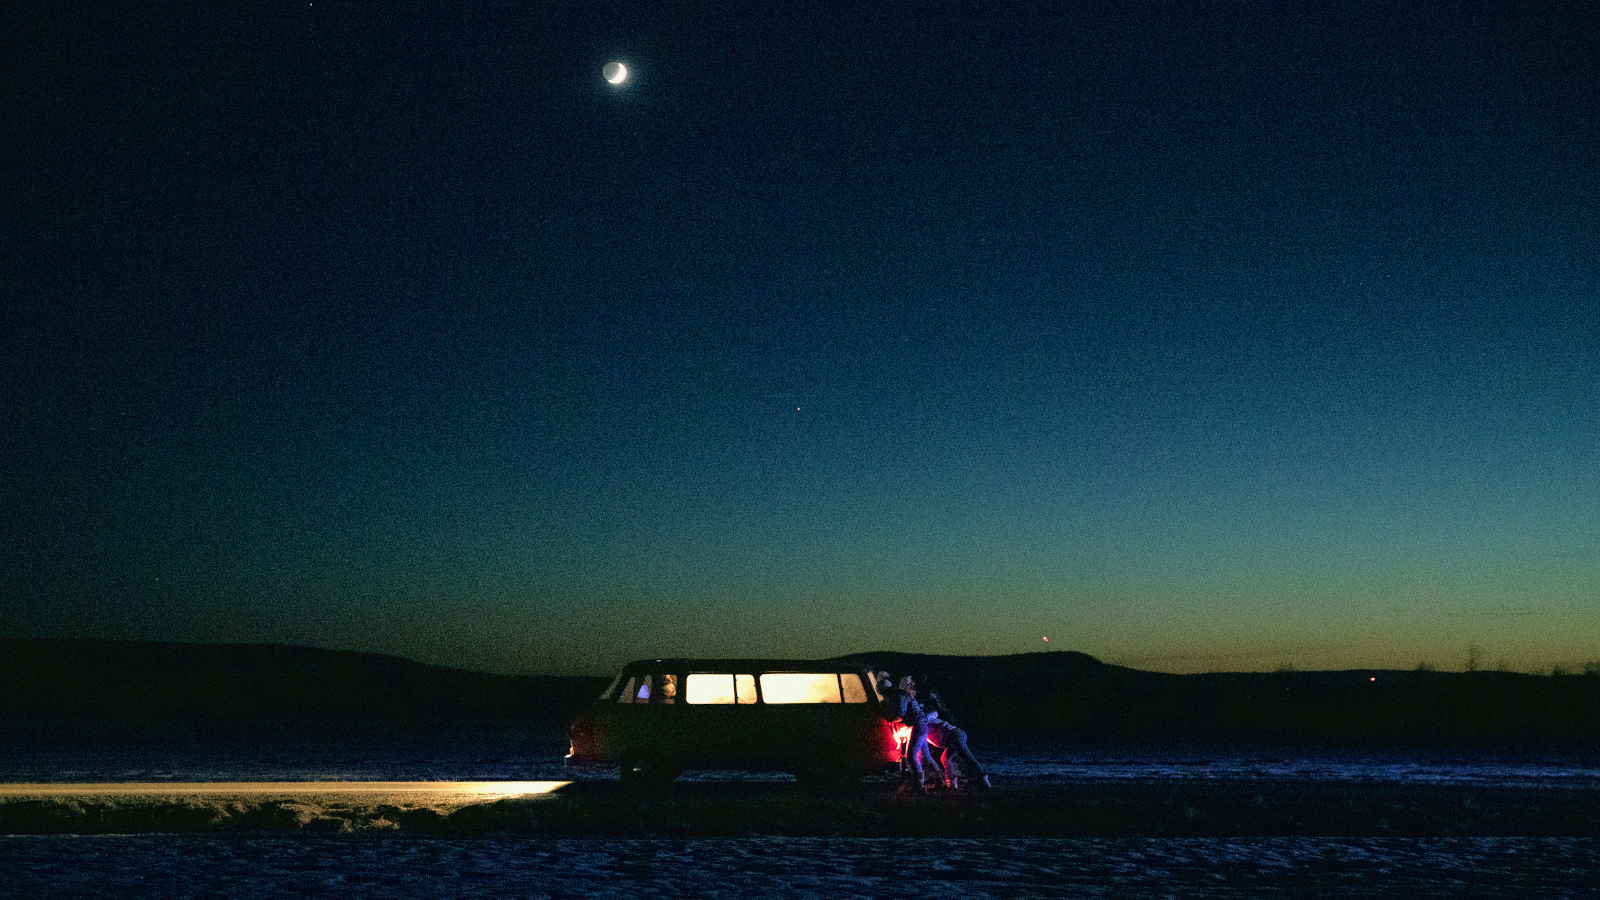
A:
[615, 72]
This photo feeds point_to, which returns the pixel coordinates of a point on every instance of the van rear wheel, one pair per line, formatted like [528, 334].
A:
[826, 777]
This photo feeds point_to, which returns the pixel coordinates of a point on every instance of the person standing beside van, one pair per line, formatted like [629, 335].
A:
[917, 716]
[889, 697]
[939, 731]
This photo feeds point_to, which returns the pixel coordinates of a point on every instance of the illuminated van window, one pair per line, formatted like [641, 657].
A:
[669, 689]
[706, 687]
[719, 687]
[626, 694]
[800, 687]
[643, 695]
[854, 690]
[610, 687]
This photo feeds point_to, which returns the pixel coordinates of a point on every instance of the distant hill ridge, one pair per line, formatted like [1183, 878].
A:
[139, 680]
[1058, 696]
[1074, 696]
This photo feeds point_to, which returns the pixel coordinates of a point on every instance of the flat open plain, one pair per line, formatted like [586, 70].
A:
[451, 816]
[873, 809]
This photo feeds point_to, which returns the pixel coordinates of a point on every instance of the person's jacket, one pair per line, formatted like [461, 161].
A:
[912, 712]
[936, 705]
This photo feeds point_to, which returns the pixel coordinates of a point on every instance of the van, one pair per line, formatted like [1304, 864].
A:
[817, 719]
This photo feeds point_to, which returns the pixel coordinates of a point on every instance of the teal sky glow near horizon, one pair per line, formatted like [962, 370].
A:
[1194, 337]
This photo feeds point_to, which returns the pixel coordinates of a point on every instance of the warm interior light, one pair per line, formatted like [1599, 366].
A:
[800, 687]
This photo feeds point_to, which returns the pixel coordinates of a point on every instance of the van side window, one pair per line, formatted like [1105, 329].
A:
[720, 687]
[708, 687]
[626, 694]
[800, 687]
[643, 696]
[669, 689]
[854, 690]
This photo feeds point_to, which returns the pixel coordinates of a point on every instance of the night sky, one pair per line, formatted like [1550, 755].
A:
[1193, 336]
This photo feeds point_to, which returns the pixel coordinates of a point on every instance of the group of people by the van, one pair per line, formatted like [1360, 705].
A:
[914, 702]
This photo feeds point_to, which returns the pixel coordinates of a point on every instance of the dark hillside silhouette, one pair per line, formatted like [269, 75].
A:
[83, 680]
[1072, 696]
[1057, 696]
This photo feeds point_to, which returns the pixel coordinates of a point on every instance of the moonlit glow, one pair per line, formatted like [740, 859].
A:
[615, 72]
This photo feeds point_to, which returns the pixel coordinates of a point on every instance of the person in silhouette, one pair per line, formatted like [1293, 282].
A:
[916, 716]
[889, 697]
[889, 705]
[941, 731]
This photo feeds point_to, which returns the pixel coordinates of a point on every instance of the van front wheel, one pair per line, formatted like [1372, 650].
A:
[643, 772]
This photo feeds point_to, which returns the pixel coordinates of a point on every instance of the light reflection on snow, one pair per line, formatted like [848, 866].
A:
[458, 788]
[507, 788]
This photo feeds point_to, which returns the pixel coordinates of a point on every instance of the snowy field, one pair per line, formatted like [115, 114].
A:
[536, 755]
[141, 866]
[328, 850]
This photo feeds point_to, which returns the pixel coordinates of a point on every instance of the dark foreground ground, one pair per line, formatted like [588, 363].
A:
[1061, 822]
[756, 868]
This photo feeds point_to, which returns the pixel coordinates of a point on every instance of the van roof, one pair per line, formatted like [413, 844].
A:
[751, 665]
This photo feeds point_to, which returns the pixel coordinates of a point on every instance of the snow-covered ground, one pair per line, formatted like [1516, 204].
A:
[536, 755]
[140, 866]
[395, 864]
[1499, 768]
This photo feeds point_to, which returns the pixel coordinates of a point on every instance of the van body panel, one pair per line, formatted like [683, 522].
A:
[813, 715]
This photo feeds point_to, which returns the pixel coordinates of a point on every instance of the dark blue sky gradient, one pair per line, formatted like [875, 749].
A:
[1194, 336]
